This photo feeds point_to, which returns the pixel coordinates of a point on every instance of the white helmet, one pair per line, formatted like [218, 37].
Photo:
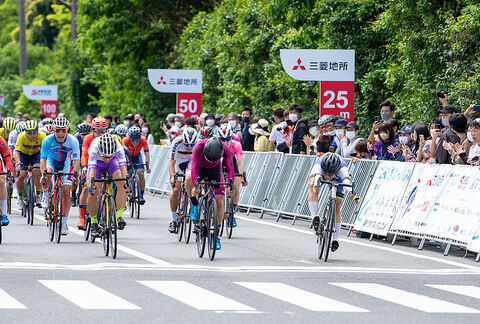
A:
[121, 130]
[190, 136]
[107, 145]
[20, 127]
[225, 131]
[61, 123]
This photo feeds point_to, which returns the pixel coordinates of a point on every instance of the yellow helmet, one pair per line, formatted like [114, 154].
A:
[31, 125]
[9, 123]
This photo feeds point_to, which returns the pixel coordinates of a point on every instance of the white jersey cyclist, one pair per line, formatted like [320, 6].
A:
[179, 153]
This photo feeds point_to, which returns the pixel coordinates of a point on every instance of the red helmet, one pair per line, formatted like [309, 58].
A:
[49, 128]
[207, 132]
[99, 122]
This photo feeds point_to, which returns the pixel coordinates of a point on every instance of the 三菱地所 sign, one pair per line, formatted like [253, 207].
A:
[175, 81]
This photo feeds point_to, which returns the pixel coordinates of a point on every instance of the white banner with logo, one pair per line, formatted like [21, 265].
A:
[41, 92]
[174, 81]
[319, 65]
[383, 197]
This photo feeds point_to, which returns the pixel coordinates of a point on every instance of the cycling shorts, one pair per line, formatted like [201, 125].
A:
[64, 167]
[212, 174]
[27, 160]
[339, 193]
[101, 166]
[137, 159]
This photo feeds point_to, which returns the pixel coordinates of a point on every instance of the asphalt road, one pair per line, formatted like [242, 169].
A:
[267, 273]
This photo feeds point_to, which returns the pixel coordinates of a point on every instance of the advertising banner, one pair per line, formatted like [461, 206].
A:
[41, 92]
[174, 81]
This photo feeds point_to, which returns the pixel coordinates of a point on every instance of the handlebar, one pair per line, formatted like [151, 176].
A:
[212, 183]
[107, 179]
[337, 184]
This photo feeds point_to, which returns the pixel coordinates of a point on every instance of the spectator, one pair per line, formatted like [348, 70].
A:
[396, 127]
[445, 113]
[277, 137]
[422, 143]
[325, 142]
[201, 120]
[339, 127]
[109, 118]
[349, 140]
[147, 133]
[300, 129]
[128, 120]
[248, 139]
[261, 132]
[311, 143]
[137, 117]
[218, 119]
[116, 120]
[455, 134]
[19, 116]
[387, 148]
[387, 109]
[210, 122]
[234, 122]
[141, 121]
[179, 120]
[474, 153]
[361, 149]
[191, 122]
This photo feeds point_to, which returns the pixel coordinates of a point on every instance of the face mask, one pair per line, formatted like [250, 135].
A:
[385, 115]
[140, 124]
[245, 119]
[251, 131]
[314, 131]
[210, 122]
[332, 133]
[339, 132]
[126, 123]
[445, 121]
[145, 129]
[232, 124]
[403, 140]
[469, 136]
[384, 136]
[350, 134]
[293, 117]
[178, 124]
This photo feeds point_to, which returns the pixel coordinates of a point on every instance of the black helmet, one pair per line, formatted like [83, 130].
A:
[330, 163]
[213, 150]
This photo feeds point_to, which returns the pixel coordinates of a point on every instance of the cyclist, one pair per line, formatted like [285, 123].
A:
[44, 123]
[58, 151]
[329, 166]
[135, 143]
[206, 163]
[180, 160]
[12, 139]
[99, 127]
[207, 132]
[106, 154]
[27, 152]
[83, 130]
[225, 134]
[48, 129]
[8, 126]
[7, 161]
[121, 130]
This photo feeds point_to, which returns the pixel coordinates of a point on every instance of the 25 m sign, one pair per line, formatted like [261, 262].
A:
[337, 98]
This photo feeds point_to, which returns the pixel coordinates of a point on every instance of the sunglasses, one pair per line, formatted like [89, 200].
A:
[58, 131]
[100, 131]
[135, 139]
[226, 139]
[189, 145]
[32, 132]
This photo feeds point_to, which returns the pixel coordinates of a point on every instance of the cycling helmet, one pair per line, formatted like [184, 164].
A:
[134, 132]
[207, 132]
[47, 121]
[122, 130]
[84, 129]
[48, 129]
[213, 150]
[190, 136]
[99, 122]
[20, 127]
[118, 138]
[225, 131]
[107, 145]
[61, 115]
[9, 123]
[330, 163]
[111, 131]
[61, 123]
[31, 125]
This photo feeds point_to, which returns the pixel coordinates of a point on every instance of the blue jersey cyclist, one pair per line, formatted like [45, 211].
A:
[58, 151]
[331, 167]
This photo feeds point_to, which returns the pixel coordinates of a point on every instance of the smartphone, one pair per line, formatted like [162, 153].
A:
[440, 95]
[377, 118]
[476, 107]
[421, 137]
[438, 125]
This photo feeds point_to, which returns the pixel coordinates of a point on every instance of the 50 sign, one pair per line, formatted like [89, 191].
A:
[337, 98]
[189, 104]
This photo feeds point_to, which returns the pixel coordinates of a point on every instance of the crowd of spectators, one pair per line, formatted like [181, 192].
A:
[449, 138]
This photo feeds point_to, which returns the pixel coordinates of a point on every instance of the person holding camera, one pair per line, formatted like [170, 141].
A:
[387, 109]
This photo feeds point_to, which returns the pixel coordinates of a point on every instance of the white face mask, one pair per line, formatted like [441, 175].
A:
[126, 123]
[350, 134]
[178, 124]
[445, 121]
[384, 136]
[339, 132]
[469, 136]
[210, 122]
[293, 117]
[403, 140]
[232, 123]
[314, 131]
[145, 129]
[330, 133]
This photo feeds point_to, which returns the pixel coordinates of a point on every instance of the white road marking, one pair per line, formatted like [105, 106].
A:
[86, 295]
[300, 298]
[356, 242]
[8, 302]
[469, 291]
[405, 298]
[195, 296]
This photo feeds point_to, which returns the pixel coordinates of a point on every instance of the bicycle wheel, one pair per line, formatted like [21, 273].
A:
[330, 225]
[131, 201]
[1, 234]
[137, 196]
[187, 226]
[112, 229]
[321, 237]
[26, 201]
[58, 217]
[180, 217]
[212, 234]
[88, 227]
[105, 225]
[31, 205]
[9, 198]
[201, 237]
[229, 215]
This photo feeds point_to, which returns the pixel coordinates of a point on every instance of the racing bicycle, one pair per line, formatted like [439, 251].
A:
[134, 195]
[29, 196]
[184, 224]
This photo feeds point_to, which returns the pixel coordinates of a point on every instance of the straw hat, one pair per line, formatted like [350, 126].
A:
[261, 127]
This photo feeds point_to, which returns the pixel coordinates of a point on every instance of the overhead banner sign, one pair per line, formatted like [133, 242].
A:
[41, 92]
[319, 65]
[2, 99]
[175, 81]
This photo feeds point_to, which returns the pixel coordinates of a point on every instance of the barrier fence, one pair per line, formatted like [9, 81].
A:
[428, 202]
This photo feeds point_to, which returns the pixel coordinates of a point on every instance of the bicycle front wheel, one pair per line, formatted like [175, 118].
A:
[50, 222]
[132, 200]
[137, 195]
[322, 233]
[9, 199]
[229, 216]
[1, 234]
[58, 217]
[330, 228]
[201, 224]
[31, 204]
[112, 229]
[187, 226]
[105, 226]
[88, 227]
[180, 217]
[212, 223]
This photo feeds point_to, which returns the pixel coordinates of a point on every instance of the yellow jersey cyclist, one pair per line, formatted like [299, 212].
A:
[8, 126]
[27, 152]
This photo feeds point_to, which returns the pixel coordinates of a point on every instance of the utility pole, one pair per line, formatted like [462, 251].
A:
[21, 37]
[73, 21]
